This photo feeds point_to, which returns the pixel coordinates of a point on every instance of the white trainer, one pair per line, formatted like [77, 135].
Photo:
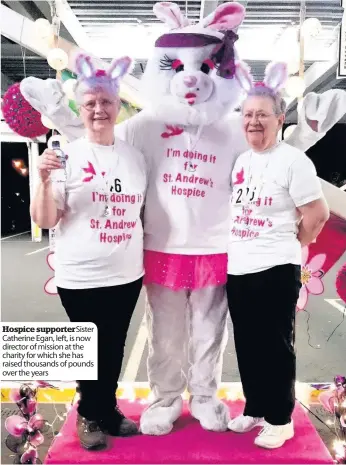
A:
[273, 436]
[244, 423]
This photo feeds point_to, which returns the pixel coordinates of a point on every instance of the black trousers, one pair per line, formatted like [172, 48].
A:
[263, 308]
[111, 309]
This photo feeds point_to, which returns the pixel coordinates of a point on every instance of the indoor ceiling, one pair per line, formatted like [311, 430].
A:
[110, 28]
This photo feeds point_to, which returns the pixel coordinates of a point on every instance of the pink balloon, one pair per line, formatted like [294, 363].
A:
[43, 384]
[36, 439]
[30, 407]
[36, 423]
[15, 396]
[16, 425]
[327, 400]
[30, 456]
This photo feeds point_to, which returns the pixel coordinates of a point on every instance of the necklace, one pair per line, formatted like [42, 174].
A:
[255, 186]
[105, 180]
[191, 146]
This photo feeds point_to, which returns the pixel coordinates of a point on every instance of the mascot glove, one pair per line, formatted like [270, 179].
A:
[323, 111]
[44, 95]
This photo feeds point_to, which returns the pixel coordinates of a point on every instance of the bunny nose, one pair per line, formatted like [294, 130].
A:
[190, 81]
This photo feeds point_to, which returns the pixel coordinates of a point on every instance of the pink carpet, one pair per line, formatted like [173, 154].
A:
[189, 443]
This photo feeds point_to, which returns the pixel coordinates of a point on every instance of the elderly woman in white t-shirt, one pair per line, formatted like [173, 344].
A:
[96, 210]
[277, 207]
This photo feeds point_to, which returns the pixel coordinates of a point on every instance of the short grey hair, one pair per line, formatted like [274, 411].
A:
[82, 88]
[279, 104]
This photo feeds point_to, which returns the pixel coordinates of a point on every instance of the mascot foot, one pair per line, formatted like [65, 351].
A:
[212, 414]
[159, 417]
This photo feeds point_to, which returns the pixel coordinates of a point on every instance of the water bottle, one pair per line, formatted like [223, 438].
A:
[59, 175]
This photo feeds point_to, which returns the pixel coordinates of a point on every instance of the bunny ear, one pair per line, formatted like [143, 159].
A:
[119, 67]
[226, 16]
[244, 76]
[276, 75]
[170, 13]
[84, 66]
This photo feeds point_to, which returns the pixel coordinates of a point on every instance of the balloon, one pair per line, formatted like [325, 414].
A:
[327, 400]
[29, 456]
[21, 117]
[36, 423]
[16, 396]
[16, 425]
[341, 283]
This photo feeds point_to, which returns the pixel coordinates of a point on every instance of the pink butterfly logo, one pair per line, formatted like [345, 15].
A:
[239, 177]
[172, 131]
[89, 170]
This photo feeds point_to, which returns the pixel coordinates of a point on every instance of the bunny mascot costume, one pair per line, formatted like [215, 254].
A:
[190, 140]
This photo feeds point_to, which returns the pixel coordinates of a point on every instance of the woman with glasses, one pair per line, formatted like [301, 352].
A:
[99, 240]
[277, 207]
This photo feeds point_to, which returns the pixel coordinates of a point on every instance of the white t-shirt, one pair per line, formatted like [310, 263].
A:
[93, 250]
[186, 209]
[267, 188]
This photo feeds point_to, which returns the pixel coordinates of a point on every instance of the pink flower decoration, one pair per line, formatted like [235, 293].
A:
[341, 283]
[27, 405]
[29, 456]
[16, 396]
[17, 426]
[20, 115]
[43, 384]
[310, 277]
[100, 72]
[327, 399]
[50, 287]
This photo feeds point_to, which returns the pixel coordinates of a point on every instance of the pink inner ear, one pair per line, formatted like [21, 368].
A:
[228, 16]
[170, 13]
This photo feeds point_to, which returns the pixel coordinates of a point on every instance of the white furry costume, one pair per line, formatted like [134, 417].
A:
[190, 106]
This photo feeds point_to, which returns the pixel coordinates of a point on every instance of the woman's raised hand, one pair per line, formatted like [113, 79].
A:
[48, 162]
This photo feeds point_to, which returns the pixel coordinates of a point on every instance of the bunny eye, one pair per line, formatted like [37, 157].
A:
[178, 66]
[167, 63]
[207, 66]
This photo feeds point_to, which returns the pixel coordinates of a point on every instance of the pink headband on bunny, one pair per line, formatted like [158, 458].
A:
[275, 78]
[91, 78]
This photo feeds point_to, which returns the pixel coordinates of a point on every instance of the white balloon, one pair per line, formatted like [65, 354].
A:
[43, 28]
[287, 50]
[57, 59]
[295, 86]
[289, 130]
[47, 122]
[311, 27]
[68, 88]
[293, 66]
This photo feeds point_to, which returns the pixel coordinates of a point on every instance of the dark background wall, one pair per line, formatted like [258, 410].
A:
[14, 189]
[329, 156]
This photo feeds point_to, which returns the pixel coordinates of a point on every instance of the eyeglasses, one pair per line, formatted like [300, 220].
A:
[258, 116]
[104, 104]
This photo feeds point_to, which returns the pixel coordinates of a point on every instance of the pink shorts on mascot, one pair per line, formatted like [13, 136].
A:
[191, 137]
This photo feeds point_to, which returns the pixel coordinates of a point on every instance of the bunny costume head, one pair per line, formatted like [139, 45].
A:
[190, 79]
[91, 79]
